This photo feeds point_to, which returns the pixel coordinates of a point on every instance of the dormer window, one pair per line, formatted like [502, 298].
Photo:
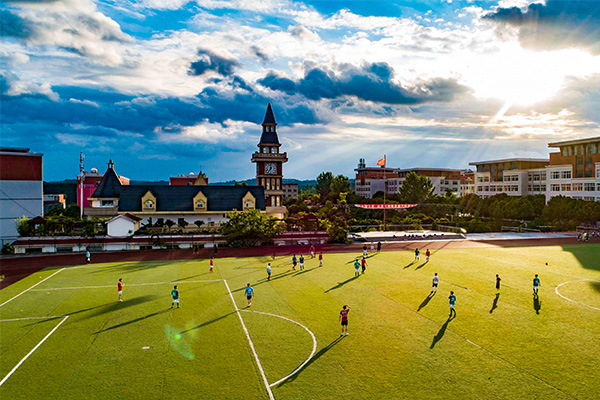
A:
[249, 204]
[149, 204]
[200, 204]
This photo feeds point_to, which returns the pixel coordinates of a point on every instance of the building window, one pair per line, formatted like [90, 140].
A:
[567, 151]
[249, 204]
[107, 203]
[149, 204]
[566, 174]
[578, 150]
[590, 148]
[200, 204]
[565, 187]
[588, 162]
[555, 175]
[265, 149]
[555, 187]
[590, 187]
[273, 149]
[577, 187]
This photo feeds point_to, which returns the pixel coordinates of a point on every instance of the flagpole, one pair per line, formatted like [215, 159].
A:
[384, 188]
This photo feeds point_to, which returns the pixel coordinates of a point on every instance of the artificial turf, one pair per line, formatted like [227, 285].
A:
[401, 343]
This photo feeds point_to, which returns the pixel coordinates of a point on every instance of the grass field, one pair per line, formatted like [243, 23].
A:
[401, 343]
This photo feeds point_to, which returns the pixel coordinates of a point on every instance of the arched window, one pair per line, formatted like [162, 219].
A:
[200, 204]
[149, 204]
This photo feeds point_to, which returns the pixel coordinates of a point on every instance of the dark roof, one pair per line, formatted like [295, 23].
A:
[132, 217]
[181, 198]
[269, 117]
[269, 137]
[109, 186]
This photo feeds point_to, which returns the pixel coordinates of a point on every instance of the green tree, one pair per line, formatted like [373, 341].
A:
[23, 226]
[337, 229]
[416, 189]
[323, 185]
[249, 228]
[340, 184]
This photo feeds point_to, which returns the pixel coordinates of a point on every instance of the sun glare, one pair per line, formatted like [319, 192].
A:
[521, 77]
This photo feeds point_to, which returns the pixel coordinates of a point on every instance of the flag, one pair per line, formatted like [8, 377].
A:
[381, 162]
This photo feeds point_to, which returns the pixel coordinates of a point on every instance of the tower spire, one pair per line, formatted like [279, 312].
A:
[269, 133]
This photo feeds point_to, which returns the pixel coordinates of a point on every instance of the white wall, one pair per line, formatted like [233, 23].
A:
[120, 227]
[17, 199]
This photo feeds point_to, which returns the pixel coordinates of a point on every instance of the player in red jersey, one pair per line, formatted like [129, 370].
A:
[320, 259]
[363, 264]
[120, 288]
[312, 251]
[427, 254]
[344, 319]
[211, 264]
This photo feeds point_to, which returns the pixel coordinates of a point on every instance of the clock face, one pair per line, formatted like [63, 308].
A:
[270, 168]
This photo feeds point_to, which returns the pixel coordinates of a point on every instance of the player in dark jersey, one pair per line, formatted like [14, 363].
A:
[175, 295]
[498, 284]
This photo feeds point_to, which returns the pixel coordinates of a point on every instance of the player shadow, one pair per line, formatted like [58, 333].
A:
[208, 322]
[265, 280]
[123, 304]
[314, 358]
[69, 314]
[537, 303]
[421, 266]
[495, 303]
[409, 265]
[340, 284]
[134, 266]
[426, 301]
[190, 277]
[133, 321]
[360, 257]
[441, 332]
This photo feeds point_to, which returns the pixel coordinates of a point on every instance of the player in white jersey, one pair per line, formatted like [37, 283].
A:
[435, 283]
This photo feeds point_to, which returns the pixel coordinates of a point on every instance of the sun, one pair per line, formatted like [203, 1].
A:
[520, 77]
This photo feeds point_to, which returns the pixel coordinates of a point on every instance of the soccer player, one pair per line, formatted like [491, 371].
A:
[249, 294]
[294, 262]
[434, 285]
[320, 259]
[416, 254]
[269, 271]
[364, 249]
[211, 264]
[378, 247]
[88, 259]
[301, 262]
[372, 247]
[498, 284]
[536, 284]
[427, 254]
[356, 267]
[452, 299]
[120, 288]
[175, 294]
[312, 251]
[363, 264]
[344, 319]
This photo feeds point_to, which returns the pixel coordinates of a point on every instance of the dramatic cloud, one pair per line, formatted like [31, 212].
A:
[210, 61]
[555, 25]
[13, 25]
[371, 82]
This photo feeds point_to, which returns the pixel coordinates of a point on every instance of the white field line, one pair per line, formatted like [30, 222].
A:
[27, 290]
[573, 301]
[309, 357]
[126, 285]
[260, 368]
[30, 318]
[32, 350]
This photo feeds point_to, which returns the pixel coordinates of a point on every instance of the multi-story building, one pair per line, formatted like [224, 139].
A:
[370, 180]
[574, 170]
[513, 176]
[21, 188]
[190, 179]
[54, 200]
[290, 190]
[91, 180]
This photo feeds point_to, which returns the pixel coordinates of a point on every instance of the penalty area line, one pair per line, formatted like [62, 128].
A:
[32, 350]
[128, 285]
[260, 368]
[27, 290]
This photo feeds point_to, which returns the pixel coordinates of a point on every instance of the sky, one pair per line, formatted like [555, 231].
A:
[168, 87]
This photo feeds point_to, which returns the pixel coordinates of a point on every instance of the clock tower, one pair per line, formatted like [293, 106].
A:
[269, 165]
